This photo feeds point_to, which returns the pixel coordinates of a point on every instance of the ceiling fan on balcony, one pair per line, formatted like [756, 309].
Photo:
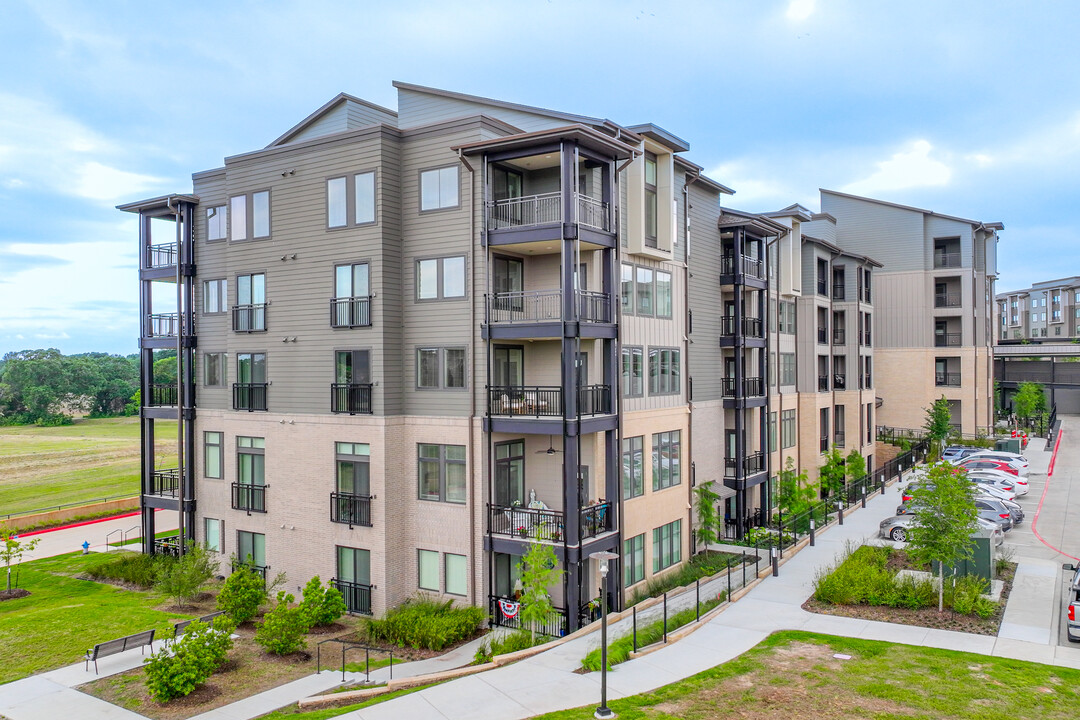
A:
[550, 448]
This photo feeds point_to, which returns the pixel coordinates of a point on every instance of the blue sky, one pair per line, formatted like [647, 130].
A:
[966, 108]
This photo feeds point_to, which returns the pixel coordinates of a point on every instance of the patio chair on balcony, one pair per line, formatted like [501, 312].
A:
[510, 407]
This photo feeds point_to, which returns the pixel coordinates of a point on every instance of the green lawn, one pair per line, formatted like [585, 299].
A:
[64, 616]
[91, 459]
[794, 674]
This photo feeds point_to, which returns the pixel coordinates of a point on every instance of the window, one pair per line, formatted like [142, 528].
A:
[633, 560]
[823, 428]
[510, 473]
[249, 315]
[251, 368]
[214, 369]
[633, 467]
[787, 368]
[354, 566]
[215, 296]
[772, 432]
[632, 361]
[787, 429]
[627, 288]
[341, 204]
[428, 564]
[869, 423]
[650, 200]
[440, 368]
[667, 545]
[441, 472]
[254, 214]
[251, 474]
[251, 548]
[353, 468]
[260, 210]
[644, 291]
[440, 278]
[838, 425]
[238, 228]
[665, 454]
[212, 534]
[351, 306]
[787, 317]
[217, 225]
[439, 188]
[663, 294]
[213, 467]
[664, 371]
[456, 574]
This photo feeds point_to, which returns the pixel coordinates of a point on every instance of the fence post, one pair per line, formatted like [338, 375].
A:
[635, 628]
[864, 496]
[665, 618]
[729, 581]
[840, 511]
[697, 599]
[757, 559]
[811, 529]
[775, 563]
[342, 662]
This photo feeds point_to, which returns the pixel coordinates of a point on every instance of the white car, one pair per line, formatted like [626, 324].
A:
[995, 492]
[1018, 485]
[1020, 464]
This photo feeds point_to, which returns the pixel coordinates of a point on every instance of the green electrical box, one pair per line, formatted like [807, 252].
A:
[1008, 445]
[983, 562]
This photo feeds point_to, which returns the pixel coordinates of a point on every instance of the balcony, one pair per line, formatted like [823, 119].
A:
[167, 545]
[947, 379]
[839, 381]
[839, 438]
[349, 312]
[554, 626]
[752, 464]
[357, 596]
[747, 266]
[162, 395]
[838, 291]
[350, 398]
[259, 570]
[751, 387]
[162, 325]
[546, 400]
[165, 483]
[823, 383]
[823, 335]
[839, 337]
[946, 259]
[161, 256]
[751, 326]
[249, 318]
[249, 396]
[947, 339]
[547, 525]
[946, 300]
[349, 509]
[546, 306]
[594, 400]
[544, 209]
[251, 498]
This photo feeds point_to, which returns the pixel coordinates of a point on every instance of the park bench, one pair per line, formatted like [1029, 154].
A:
[113, 647]
[179, 628]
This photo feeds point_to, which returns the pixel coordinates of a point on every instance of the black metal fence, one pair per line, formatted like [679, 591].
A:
[508, 615]
[351, 398]
[349, 509]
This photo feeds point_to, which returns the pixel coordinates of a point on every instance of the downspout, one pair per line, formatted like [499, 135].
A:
[686, 350]
[472, 363]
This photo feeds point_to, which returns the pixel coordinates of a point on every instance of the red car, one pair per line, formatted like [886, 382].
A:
[981, 464]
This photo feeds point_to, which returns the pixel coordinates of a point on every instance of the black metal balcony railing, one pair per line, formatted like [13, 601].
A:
[594, 400]
[748, 266]
[823, 335]
[839, 336]
[753, 386]
[823, 444]
[947, 339]
[162, 395]
[946, 259]
[838, 291]
[354, 399]
[839, 381]
[249, 318]
[751, 326]
[525, 400]
[554, 626]
[526, 523]
[357, 596]
[249, 396]
[839, 438]
[350, 312]
[167, 545]
[947, 300]
[545, 305]
[947, 379]
[162, 325]
[823, 383]
[165, 483]
[752, 463]
[259, 570]
[349, 509]
[251, 498]
[161, 256]
[596, 520]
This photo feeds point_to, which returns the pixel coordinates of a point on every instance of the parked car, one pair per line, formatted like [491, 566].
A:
[1072, 612]
[1015, 483]
[1017, 463]
[896, 528]
[958, 452]
[978, 464]
[994, 487]
[1015, 509]
[987, 508]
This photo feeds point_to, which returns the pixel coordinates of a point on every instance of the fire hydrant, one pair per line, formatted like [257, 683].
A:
[86, 547]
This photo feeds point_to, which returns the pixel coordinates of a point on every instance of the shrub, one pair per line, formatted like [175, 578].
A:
[511, 642]
[425, 623]
[242, 594]
[182, 578]
[201, 651]
[282, 630]
[135, 568]
[321, 605]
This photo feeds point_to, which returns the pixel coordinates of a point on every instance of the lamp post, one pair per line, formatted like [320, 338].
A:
[604, 556]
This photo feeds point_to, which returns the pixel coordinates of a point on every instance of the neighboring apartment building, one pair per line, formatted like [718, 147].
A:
[1047, 312]
[933, 325]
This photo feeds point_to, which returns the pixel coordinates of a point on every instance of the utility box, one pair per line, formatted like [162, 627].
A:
[1008, 445]
[983, 562]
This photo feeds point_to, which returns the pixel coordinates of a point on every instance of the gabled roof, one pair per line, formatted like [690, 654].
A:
[977, 224]
[662, 136]
[696, 169]
[315, 116]
[585, 135]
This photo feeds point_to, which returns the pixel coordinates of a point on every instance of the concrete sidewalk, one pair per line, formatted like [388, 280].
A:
[70, 539]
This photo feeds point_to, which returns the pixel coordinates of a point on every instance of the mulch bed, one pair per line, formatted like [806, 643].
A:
[924, 617]
[13, 594]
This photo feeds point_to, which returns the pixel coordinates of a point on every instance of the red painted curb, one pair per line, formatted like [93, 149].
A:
[78, 524]
[1035, 520]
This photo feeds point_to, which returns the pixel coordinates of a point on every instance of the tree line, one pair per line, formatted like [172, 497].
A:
[46, 387]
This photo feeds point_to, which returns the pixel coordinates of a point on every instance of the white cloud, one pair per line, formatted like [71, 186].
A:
[906, 169]
[100, 182]
[800, 9]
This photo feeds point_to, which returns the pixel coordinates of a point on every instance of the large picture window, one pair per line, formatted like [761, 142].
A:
[427, 562]
[441, 471]
[665, 457]
[439, 188]
[633, 560]
[667, 545]
[440, 278]
[664, 371]
[632, 371]
[633, 467]
[440, 368]
[213, 467]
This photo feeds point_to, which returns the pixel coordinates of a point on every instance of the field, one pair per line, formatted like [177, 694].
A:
[42, 467]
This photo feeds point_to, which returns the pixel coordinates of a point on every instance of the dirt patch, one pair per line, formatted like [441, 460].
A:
[13, 593]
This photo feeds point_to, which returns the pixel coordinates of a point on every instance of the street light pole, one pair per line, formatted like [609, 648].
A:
[603, 712]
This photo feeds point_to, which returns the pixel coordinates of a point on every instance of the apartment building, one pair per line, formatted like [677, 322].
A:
[933, 326]
[1046, 312]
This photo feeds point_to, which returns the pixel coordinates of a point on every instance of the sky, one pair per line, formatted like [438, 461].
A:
[965, 108]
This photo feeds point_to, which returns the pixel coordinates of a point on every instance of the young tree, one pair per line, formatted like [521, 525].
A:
[793, 495]
[938, 425]
[183, 577]
[321, 605]
[282, 630]
[944, 519]
[12, 553]
[708, 527]
[242, 594]
[539, 570]
[832, 473]
[855, 465]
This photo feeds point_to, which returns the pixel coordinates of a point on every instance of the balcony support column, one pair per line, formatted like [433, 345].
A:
[571, 473]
